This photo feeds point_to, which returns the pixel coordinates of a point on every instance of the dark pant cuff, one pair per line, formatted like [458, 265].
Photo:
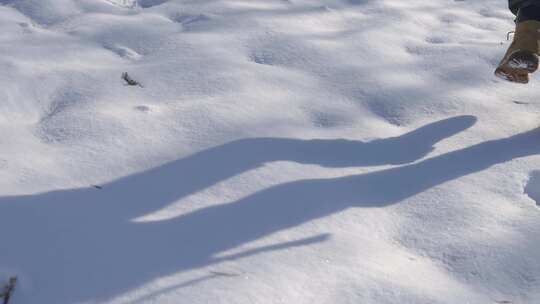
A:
[530, 12]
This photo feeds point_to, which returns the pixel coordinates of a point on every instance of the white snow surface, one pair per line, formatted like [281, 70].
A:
[278, 151]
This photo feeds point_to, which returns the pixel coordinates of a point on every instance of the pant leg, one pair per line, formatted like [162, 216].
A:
[515, 5]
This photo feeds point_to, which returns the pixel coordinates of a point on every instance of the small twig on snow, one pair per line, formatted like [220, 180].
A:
[130, 81]
[8, 290]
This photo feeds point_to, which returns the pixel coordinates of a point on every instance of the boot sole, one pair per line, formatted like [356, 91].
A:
[518, 66]
[523, 60]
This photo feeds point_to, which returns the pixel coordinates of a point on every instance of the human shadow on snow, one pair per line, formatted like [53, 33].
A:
[76, 245]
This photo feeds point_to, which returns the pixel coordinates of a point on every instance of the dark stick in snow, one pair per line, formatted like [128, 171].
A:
[130, 81]
[8, 290]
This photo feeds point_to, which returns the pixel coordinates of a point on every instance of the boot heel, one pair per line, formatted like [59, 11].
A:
[513, 75]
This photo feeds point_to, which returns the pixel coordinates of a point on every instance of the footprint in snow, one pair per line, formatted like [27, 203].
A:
[262, 58]
[123, 52]
[143, 108]
[189, 21]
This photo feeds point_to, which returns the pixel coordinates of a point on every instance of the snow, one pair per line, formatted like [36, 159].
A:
[279, 151]
[533, 187]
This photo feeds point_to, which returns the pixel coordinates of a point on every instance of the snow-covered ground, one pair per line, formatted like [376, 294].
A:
[278, 151]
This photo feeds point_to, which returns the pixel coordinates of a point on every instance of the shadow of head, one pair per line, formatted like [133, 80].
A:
[403, 149]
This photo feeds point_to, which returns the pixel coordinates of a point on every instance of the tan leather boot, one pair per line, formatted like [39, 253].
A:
[522, 55]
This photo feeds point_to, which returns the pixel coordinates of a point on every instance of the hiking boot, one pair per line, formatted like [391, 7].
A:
[522, 55]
